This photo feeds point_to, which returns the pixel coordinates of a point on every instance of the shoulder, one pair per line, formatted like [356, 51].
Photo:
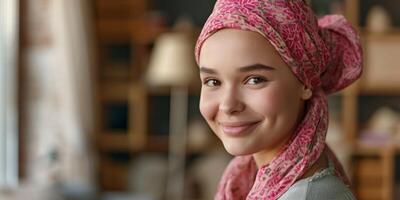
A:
[323, 185]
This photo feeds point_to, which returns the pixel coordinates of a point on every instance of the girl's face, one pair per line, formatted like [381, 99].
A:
[249, 96]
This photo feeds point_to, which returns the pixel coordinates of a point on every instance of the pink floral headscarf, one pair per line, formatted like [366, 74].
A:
[324, 54]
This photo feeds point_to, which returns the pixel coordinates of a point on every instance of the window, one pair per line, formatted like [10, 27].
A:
[8, 93]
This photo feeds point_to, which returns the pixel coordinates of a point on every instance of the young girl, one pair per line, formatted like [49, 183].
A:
[266, 68]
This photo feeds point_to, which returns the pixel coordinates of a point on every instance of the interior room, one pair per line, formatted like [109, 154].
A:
[99, 100]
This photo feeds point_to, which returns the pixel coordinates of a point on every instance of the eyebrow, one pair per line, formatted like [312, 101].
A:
[254, 67]
[248, 68]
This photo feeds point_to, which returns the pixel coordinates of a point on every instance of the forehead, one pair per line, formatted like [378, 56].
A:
[231, 47]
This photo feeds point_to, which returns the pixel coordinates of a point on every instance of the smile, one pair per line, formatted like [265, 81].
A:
[238, 129]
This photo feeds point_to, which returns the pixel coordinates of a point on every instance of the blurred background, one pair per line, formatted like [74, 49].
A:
[99, 100]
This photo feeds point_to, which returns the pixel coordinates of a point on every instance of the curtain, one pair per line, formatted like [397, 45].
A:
[59, 115]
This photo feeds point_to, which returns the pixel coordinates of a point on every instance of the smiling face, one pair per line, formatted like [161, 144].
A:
[249, 96]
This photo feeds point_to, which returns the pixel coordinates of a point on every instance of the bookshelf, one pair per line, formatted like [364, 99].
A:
[125, 33]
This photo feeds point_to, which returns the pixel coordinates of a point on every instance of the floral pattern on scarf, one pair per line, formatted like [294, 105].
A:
[324, 54]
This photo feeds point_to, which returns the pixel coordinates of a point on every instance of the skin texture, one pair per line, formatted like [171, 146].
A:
[249, 96]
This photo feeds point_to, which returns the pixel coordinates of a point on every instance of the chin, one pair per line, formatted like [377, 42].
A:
[237, 149]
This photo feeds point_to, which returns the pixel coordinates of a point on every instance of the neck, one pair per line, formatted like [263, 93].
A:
[266, 156]
[263, 158]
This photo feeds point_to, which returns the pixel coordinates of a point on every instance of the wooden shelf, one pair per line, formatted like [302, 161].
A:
[374, 171]
[387, 90]
[117, 91]
[363, 150]
[381, 63]
[157, 144]
[120, 9]
[114, 141]
[121, 104]
[113, 175]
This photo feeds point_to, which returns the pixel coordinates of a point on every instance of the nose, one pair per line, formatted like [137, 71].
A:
[231, 102]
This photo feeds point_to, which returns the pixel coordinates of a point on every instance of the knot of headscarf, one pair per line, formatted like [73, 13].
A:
[324, 55]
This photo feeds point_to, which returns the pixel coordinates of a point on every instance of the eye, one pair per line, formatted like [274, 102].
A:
[212, 82]
[254, 80]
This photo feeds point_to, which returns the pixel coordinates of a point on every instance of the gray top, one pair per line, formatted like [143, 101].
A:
[322, 185]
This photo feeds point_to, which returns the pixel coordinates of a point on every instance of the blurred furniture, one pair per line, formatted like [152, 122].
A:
[133, 117]
[172, 64]
[118, 196]
[125, 34]
[373, 165]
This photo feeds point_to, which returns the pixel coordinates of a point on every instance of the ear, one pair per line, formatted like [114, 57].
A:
[306, 93]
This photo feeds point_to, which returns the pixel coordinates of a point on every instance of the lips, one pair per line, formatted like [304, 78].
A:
[237, 128]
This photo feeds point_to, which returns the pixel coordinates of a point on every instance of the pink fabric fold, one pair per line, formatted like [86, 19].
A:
[324, 55]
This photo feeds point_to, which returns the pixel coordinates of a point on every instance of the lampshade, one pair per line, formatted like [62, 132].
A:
[172, 62]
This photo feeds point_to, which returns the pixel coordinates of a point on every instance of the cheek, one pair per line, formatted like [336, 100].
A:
[282, 107]
[269, 101]
[208, 105]
[274, 101]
